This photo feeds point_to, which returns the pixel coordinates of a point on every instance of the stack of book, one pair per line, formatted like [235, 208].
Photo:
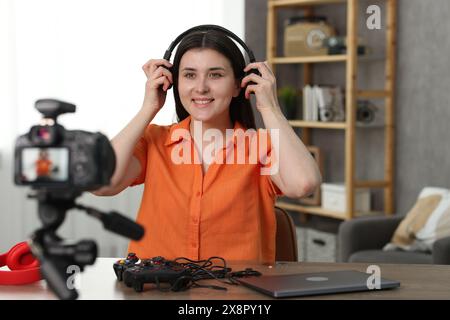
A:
[323, 103]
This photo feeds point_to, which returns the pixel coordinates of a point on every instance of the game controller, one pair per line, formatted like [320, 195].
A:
[156, 270]
[123, 264]
[180, 276]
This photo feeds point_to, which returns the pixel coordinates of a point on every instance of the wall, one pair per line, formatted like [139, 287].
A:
[422, 103]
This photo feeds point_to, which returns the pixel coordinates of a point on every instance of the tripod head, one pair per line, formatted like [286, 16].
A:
[57, 256]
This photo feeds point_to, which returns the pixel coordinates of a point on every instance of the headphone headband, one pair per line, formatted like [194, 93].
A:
[205, 28]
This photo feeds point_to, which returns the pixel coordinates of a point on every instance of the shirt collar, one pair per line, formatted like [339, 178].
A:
[185, 125]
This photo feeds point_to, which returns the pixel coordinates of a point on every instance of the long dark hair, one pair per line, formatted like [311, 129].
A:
[240, 107]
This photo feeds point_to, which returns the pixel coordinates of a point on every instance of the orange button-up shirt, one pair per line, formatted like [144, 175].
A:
[43, 167]
[228, 212]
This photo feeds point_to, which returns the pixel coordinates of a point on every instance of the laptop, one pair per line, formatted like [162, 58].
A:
[307, 284]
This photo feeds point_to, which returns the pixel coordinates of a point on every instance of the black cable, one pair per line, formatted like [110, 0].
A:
[197, 270]
[206, 271]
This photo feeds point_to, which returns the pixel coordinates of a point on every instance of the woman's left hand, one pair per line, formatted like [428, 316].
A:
[264, 86]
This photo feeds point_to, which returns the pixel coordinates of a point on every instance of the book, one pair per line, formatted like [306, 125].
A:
[323, 103]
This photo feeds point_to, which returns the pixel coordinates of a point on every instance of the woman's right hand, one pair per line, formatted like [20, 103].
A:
[159, 79]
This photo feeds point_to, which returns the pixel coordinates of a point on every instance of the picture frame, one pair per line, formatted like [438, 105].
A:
[315, 198]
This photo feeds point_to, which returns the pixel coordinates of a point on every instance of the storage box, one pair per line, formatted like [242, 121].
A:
[306, 38]
[301, 243]
[316, 246]
[333, 198]
[320, 246]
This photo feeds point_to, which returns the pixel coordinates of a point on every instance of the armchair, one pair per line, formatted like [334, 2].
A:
[362, 240]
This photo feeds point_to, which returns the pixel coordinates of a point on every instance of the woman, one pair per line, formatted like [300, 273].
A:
[199, 200]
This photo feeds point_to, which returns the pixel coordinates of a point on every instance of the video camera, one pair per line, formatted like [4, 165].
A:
[59, 165]
[49, 156]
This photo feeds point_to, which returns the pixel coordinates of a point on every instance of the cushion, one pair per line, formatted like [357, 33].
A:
[427, 221]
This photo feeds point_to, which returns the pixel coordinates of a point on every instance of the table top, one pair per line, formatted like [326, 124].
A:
[99, 282]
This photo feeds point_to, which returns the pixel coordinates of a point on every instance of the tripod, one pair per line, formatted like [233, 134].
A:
[57, 256]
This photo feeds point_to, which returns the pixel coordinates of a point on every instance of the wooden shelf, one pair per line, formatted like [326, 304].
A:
[310, 209]
[352, 93]
[325, 58]
[371, 184]
[321, 211]
[310, 59]
[317, 124]
[296, 3]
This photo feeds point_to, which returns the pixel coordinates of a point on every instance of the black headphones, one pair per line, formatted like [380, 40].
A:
[205, 28]
[209, 27]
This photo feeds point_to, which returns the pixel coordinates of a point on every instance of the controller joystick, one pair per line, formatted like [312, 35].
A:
[123, 264]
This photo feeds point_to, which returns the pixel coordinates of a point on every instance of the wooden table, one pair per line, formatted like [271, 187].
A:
[99, 282]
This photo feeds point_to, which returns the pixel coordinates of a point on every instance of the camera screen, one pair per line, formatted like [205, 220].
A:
[44, 165]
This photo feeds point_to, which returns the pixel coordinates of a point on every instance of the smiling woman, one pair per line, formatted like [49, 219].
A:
[214, 206]
[189, 73]
[204, 91]
[206, 94]
[210, 75]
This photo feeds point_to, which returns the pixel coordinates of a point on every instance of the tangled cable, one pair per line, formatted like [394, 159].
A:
[197, 270]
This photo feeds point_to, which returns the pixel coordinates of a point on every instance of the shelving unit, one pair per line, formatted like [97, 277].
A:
[351, 93]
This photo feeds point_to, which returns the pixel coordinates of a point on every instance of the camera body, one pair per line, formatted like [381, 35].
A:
[50, 157]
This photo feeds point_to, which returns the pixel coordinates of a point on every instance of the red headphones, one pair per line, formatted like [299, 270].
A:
[23, 265]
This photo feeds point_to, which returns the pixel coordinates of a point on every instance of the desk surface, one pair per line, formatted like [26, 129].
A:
[99, 282]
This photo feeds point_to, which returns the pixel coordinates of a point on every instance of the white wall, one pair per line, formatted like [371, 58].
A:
[89, 53]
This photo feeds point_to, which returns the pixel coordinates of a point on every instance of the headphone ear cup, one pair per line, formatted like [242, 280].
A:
[20, 257]
[23, 265]
[254, 71]
[171, 71]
